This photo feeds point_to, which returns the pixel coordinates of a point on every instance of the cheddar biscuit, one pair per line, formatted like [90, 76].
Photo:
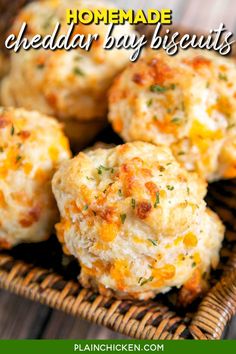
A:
[71, 85]
[32, 146]
[136, 221]
[187, 102]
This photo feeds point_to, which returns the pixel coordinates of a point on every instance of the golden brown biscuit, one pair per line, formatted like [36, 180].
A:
[136, 221]
[70, 85]
[187, 102]
[32, 146]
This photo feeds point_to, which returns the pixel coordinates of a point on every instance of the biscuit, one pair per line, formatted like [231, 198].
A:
[187, 102]
[136, 221]
[70, 85]
[32, 146]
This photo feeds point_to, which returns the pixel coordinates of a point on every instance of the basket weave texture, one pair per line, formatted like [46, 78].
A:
[41, 273]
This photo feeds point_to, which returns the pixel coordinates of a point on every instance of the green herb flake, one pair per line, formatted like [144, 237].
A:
[1, 149]
[120, 192]
[170, 188]
[85, 207]
[101, 168]
[12, 130]
[173, 86]
[40, 66]
[158, 88]
[188, 190]
[78, 71]
[143, 281]
[176, 120]
[133, 203]
[223, 77]
[180, 153]
[155, 118]
[157, 200]
[194, 264]
[89, 178]
[149, 102]
[154, 242]
[123, 218]
[18, 158]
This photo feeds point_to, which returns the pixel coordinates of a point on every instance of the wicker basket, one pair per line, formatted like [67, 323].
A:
[42, 273]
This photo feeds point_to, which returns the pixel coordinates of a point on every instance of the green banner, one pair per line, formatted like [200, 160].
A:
[115, 346]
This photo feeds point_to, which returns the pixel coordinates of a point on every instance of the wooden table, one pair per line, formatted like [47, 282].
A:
[20, 318]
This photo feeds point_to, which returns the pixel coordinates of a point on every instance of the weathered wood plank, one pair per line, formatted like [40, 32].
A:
[209, 15]
[230, 332]
[21, 318]
[175, 5]
[63, 326]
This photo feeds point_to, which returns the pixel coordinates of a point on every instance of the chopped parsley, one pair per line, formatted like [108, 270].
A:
[155, 117]
[176, 120]
[180, 153]
[194, 264]
[40, 66]
[133, 203]
[143, 281]
[170, 188]
[12, 130]
[120, 192]
[101, 168]
[158, 88]
[85, 207]
[188, 190]
[149, 102]
[154, 242]
[123, 218]
[18, 158]
[78, 71]
[89, 178]
[157, 200]
[223, 77]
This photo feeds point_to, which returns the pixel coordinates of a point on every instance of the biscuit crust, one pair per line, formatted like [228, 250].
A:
[187, 102]
[32, 146]
[135, 220]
